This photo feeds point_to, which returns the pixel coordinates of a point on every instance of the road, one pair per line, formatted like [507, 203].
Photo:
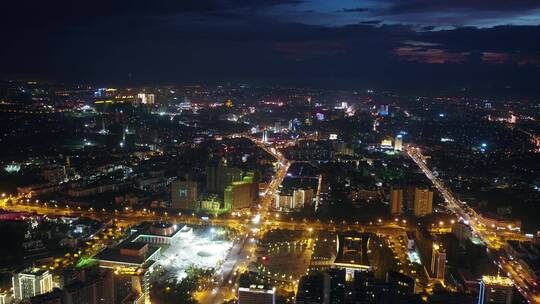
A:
[244, 252]
[254, 223]
[491, 238]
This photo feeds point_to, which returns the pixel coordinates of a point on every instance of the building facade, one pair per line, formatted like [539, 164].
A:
[423, 202]
[184, 195]
[31, 282]
[495, 290]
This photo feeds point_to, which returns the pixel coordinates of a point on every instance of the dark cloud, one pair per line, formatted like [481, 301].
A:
[204, 40]
[353, 10]
[37, 12]
[430, 55]
[371, 22]
[432, 14]
[495, 57]
[309, 49]
[414, 6]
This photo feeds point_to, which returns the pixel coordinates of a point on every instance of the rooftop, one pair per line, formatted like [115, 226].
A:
[497, 280]
[115, 256]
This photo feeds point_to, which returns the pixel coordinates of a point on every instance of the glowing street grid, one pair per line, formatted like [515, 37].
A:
[197, 250]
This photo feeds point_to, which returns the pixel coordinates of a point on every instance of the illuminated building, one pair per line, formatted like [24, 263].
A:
[383, 110]
[396, 201]
[283, 201]
[146, 98]
[239, 194]
[212, 203]
[423, 202]
[398, 143]
[386, 143]
[161, 233]
[128, 267]
[438, 262]
[302, 197]
[352, 248]
[31, 282]
[256, 294]
[184, 195]
[5, 297]
[496, 290]
[289, 198]
[265, 136]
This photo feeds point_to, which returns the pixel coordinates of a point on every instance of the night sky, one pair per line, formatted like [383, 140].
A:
[394, 44]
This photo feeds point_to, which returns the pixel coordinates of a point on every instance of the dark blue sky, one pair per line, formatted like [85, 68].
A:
[350, 43]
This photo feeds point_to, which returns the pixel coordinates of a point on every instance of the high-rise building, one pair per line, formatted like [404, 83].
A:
[367, 290]
[423, 202]
[81, 293]
[337, 285]
[239, 195]
[219, 176]
[302, 197]
[400, 283]
[150, 98]
[256, 294]
[438, 261]
[396, 201]
[398, 143]
[265, 136]
[383, 110]
[146, 98]
[128, 267]
[31, 282]
[495, 290]
[283, 201]
[314, 289]
[184, 195]
[253, 177]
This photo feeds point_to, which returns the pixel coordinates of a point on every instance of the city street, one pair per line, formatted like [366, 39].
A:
[490, 238]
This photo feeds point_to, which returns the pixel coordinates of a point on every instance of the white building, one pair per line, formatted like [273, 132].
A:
[31, 282]
[398, 143]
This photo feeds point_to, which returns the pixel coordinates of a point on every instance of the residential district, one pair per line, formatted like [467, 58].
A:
[243, 194]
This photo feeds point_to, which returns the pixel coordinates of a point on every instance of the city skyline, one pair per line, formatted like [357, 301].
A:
[270, 152]
[425, 46]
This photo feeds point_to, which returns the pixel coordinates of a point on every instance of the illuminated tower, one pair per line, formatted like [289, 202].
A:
[150, 99]
[265, 136]
[398, 143]
[496, 290]
[142, 97]
[438, 262]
